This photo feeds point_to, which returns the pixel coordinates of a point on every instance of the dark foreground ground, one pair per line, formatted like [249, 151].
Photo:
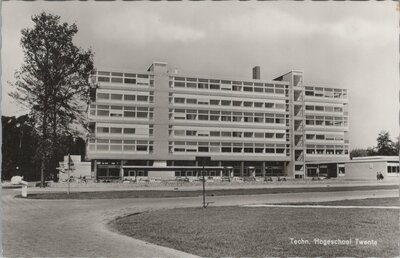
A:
[189, 193]
[271, 231]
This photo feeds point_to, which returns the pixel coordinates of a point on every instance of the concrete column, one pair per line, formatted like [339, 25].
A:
[94, 170]
[241, 168]
[197, 172]
[263, 169]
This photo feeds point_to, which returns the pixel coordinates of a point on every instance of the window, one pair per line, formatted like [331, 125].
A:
[179, 100]
[319, 120]
[215, 133]
[116, 96]
[129, 97]
[103, 112]
[191, 101]
[259, 135]
[191, 85]
[226, 134]
[203, 149]
[142, 98]
[328, 109]
[129, 81]
[225, 102]
[214, 118]
[129, 114]
[258, 104]
[248, 134]
[236, 88]
[142, 114]
[225, 118]
[117, 80]
[248, 89]
[103, 79]
[214, 102]
[270, 149]
[237, 134]
[103, 95]
[237, 149]
[141, 147]
[116, 130]
[191, 117]
[129, 130]
[191, 133]
[202, 85]
[269, 105]
[248, 150]
[236, 103]
[226, 149]
[103, 130]
[214, 86]
[180, 84]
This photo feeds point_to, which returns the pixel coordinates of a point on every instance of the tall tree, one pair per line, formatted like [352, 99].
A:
[52, 82]
[385, 145]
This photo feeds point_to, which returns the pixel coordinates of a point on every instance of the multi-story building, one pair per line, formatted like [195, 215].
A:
[156, 123]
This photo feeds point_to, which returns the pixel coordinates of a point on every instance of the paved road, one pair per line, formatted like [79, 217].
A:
[72, 228]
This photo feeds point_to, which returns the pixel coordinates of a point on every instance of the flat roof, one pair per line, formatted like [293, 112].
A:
[376, 157]
[171, 168]
[359, 160]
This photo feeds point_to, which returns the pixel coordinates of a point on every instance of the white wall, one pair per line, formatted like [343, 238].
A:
[365, 170]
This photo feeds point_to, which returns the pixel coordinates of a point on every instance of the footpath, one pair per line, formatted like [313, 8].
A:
[196, 186]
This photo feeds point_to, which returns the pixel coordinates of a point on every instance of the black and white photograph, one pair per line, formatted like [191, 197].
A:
[200, 129]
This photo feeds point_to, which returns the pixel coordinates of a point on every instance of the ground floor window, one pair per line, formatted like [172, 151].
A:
[108, 172]
[392, 169]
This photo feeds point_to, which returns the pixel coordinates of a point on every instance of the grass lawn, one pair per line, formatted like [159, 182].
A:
[169, 194]
[260, 232]
[394, 201]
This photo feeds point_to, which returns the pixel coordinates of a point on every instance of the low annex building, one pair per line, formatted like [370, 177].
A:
[359, 168]
[155, 123]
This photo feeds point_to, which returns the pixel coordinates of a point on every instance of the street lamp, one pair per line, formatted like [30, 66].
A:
[18, 125]
[203, 161]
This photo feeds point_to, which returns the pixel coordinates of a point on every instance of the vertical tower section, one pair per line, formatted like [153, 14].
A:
[161, 107]
[296, 166]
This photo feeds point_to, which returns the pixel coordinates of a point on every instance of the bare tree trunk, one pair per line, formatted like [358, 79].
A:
[53, 160]
[43, 149]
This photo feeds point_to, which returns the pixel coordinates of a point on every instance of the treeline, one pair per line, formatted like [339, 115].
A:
[384, 147]
[20, 149]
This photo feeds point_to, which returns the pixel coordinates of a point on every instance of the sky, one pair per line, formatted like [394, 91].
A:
[351, 45]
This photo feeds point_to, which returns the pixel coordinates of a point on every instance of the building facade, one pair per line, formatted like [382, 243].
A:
[156, 123]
